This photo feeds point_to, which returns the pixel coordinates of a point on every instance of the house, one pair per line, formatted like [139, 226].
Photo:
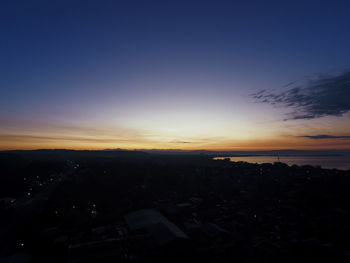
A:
[157, 225]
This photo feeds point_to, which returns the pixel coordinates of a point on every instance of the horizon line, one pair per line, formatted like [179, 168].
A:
[170, 149]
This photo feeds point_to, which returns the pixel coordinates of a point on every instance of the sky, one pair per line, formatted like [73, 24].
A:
[216, 75]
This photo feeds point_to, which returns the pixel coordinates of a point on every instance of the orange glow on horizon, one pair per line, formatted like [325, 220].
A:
[22, 142]
[180, 135]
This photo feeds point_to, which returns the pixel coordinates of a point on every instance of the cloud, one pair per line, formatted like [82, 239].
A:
[179, 141]
[48, 138]
[325, 136]
[324, 96]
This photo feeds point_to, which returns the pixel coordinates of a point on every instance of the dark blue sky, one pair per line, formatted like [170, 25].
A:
[123, 62]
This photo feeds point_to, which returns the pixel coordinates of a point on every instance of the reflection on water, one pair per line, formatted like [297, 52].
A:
[339, 162]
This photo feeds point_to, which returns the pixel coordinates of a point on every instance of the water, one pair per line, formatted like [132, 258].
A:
[339, 162]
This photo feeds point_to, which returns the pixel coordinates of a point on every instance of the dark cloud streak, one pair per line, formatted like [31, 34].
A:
[325, 136]
[324, 96]
[177, 141]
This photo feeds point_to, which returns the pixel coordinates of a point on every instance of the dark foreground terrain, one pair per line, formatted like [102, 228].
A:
[120, 206]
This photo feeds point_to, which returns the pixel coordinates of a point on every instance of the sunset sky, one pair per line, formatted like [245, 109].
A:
[216, 75]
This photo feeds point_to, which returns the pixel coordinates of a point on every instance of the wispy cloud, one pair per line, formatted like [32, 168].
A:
[179, 141]
[324, 96]
[68, 136]
[24, 137]
[325, 136]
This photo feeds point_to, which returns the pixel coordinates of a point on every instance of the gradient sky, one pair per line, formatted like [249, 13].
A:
[225, 75]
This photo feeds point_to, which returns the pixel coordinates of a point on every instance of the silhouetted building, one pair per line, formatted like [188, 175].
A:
[162, 230]
[17, 258]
